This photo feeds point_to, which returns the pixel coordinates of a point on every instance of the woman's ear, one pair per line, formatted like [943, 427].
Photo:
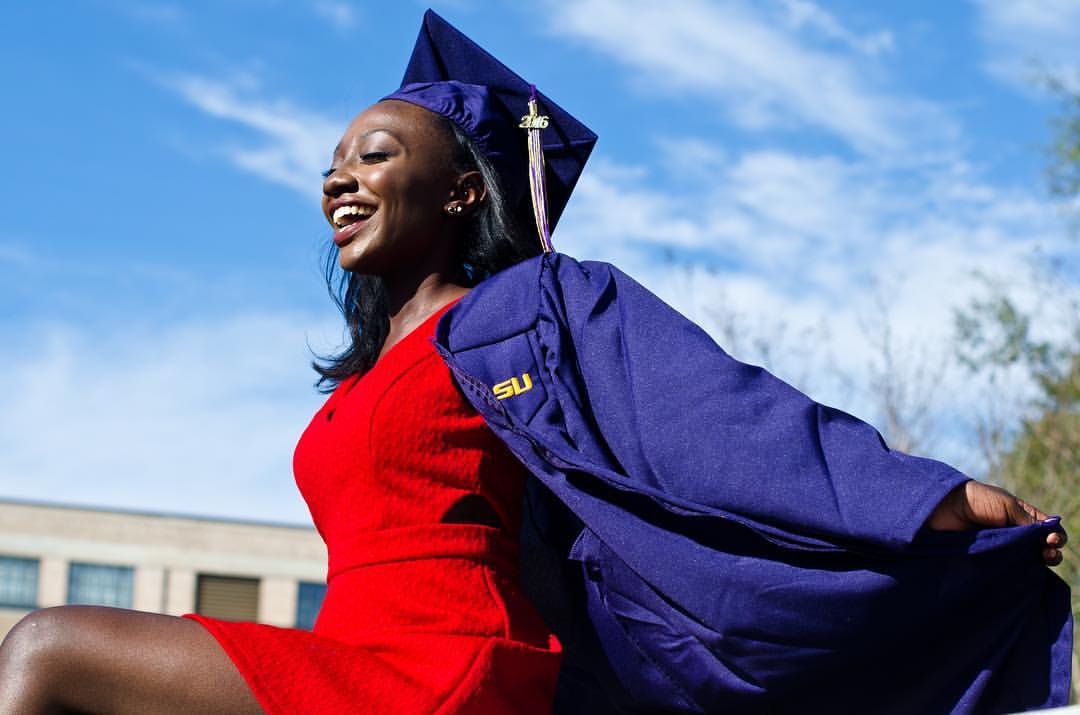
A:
[469, 192]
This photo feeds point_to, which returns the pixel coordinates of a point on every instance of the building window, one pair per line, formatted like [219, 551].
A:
[228, 597]
[308, 602]
[101, 585]
[18, 582]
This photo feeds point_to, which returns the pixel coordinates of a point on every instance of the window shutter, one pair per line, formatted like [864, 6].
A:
[228, 597]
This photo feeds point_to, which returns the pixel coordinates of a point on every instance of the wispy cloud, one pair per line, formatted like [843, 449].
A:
[1027, 39]
[767, 65]
[341, 15]
[814, 223]
[803, 14]
[196, 417]
[291, 145]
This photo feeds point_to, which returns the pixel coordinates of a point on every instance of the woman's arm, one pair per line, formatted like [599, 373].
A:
[974, 505]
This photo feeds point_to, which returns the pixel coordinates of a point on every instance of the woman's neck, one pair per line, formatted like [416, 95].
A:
[409, 306]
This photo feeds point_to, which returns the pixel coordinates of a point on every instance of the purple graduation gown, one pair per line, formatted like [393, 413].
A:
[734, 545]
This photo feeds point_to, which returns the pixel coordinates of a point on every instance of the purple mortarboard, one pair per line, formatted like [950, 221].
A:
[537, 148]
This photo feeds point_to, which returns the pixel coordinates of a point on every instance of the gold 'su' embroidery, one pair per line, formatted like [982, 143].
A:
[511, 387]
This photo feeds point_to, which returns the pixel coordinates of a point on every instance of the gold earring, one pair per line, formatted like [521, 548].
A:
[455, 209]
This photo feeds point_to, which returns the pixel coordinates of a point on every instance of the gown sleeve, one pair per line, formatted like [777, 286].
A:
[687, 421]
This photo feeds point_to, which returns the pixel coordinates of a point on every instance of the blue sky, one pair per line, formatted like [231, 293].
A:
[786, 172]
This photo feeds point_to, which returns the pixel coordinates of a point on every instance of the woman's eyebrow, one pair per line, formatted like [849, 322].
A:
[369, 132]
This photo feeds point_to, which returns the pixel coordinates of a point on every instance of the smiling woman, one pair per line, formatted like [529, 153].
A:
[394, 157]
[418, 501]
[702, 536]
[392, 191]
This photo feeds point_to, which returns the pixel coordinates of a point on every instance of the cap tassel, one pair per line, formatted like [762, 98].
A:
[533, 122]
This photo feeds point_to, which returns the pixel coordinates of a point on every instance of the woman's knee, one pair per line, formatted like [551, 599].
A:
[33, 660]
[96, 659]
[47, 638]
[32, 638]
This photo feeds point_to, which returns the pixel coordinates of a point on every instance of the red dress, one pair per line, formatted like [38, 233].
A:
[420, 616]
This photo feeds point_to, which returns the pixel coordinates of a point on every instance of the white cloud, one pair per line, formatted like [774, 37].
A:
[198, 417]
[294, 144]
[764, 64]
[340, 14]
[800, 14]
[1027, 39]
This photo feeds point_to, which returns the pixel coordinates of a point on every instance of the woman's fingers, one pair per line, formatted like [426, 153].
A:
[1055, 540]
[977, 505]
[1034, 514]
[985, 505]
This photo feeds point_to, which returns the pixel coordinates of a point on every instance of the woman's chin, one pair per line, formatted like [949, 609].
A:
[351, 258]
[345, 262]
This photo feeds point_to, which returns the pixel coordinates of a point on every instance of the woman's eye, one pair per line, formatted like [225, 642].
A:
[372, 157]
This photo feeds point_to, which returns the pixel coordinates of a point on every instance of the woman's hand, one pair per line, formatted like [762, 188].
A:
[974, 505]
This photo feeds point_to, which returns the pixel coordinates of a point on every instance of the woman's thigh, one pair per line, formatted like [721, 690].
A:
[96, 659]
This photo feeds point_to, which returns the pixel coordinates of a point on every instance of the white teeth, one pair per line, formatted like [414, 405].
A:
[361, 212]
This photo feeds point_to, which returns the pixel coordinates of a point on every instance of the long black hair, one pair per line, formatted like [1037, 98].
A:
[494, 237]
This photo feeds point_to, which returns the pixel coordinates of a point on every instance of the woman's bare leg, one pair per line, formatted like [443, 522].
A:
[111, 660]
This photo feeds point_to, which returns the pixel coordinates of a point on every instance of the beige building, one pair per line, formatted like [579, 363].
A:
[52, 554]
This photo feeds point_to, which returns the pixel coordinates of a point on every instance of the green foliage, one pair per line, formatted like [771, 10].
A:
[1042, 463]
[994, 332]
[1038, 458]
[1064, 166]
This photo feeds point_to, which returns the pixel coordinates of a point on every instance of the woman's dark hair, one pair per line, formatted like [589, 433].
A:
[494, 238]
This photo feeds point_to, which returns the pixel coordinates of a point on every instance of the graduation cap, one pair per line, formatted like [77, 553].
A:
[536, 147]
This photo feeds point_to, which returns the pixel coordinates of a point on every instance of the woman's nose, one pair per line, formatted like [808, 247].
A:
[339, 182]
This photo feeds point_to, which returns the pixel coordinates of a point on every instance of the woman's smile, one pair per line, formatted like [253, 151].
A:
[348, 218]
